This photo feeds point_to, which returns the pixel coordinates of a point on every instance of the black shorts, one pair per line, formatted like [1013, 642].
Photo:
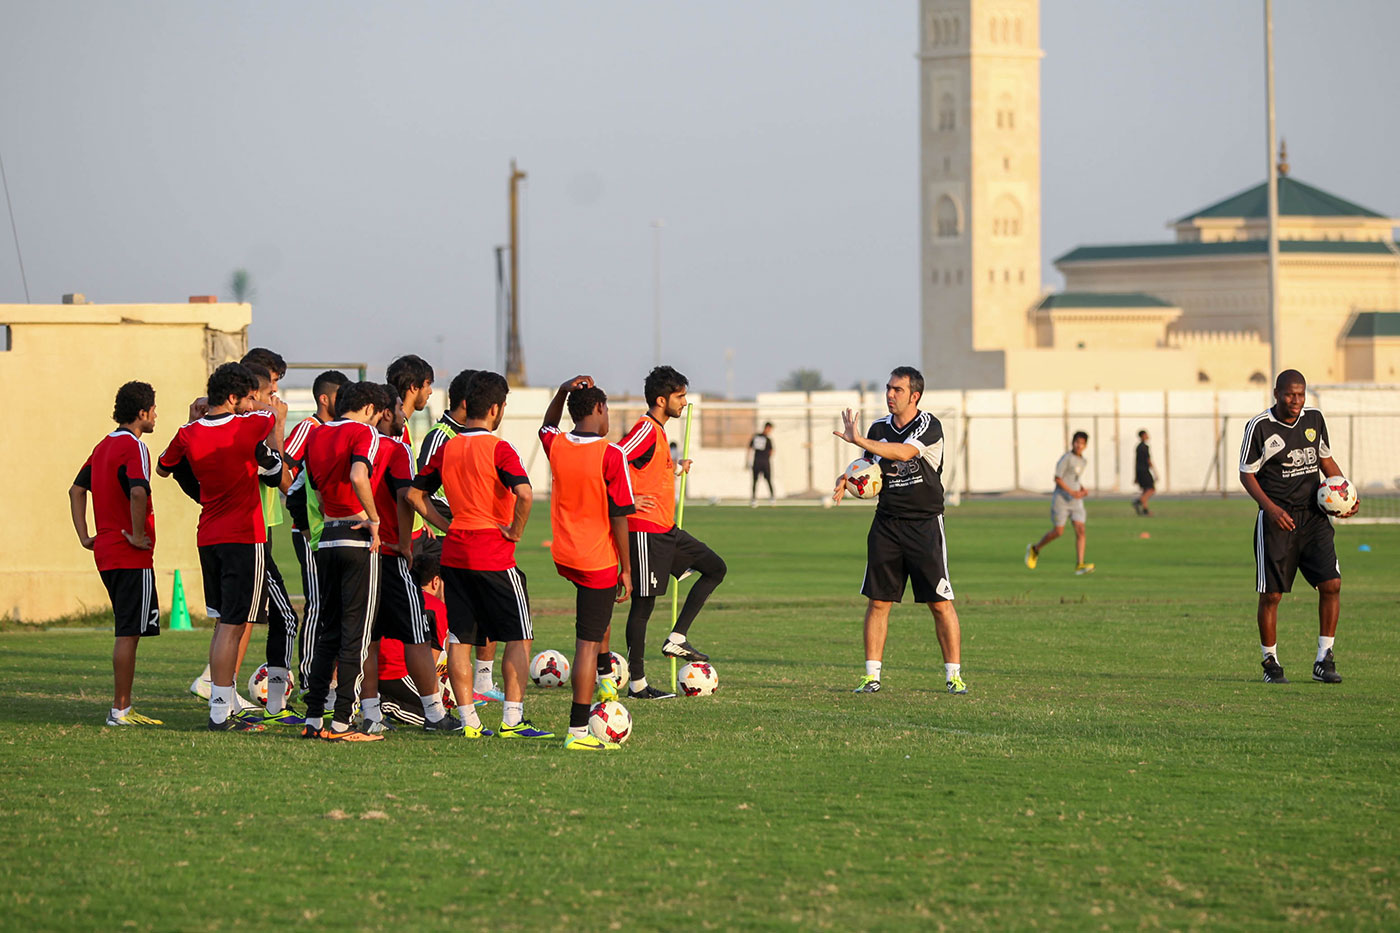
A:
[658, 556]
[1145, 482]
[399, 700]
[234, 577]
[593, 612]
[486, 605]
[1279, 554]
[135, 607]
[900, 549]
[401, 612]
[428, 545]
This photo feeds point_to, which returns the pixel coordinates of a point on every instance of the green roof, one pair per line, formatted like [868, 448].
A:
[1295, 199]
[1104, 300]
[1222, 248]
[1375, 324]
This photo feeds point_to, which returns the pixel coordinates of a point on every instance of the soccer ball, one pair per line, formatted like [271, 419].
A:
[617, 669]
[549, 669]
[257, 686]
[863, 479]
[1337, 497]
[449, 702]
[698, 679]
[610, 722]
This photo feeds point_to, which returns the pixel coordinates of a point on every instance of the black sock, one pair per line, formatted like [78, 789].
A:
[578, 716]
[604, 662]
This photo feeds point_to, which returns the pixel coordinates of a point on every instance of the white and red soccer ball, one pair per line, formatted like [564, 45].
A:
[449, 702]
[257, 686]
[1338, 497]
[697, 679]
[610, 722]
[549, 668]
[863, 478]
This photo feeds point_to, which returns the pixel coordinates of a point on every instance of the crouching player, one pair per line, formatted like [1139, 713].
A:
[400, 695]
[589, 503]
[118, 474]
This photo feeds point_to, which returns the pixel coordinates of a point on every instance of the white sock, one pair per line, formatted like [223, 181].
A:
[578, 732]
[1267, 651]
[220, 703]
[119, 713]
[514, 713]
[318, 723]
[369, 708]
[872, 668]
[469, 717]
[952, 670]
[482, 681]
[639, 685]
[339, 726]
[676, 638]
[433, 709]
[277, 678]
[1324, 645]
[243, 702]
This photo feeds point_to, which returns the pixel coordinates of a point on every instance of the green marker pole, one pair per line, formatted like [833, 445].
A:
[179, 609]
[680, 523]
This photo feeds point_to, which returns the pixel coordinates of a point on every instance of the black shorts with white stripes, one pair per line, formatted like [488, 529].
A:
[234, 577]
[1279, 554]
[906, 549]
[401, 612]
[135, 608]
[487, 605]
[658, 556]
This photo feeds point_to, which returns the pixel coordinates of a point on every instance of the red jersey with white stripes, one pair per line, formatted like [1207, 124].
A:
[393, 470]
[119, 463]
[333, 447]
[293, 451]
[226, 455]
[653, 474]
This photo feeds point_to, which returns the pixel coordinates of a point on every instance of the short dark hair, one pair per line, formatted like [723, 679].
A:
[457, 388]
[260, 373]
[1078, 435]
[328, 381]
[425, 567]
[767, 424]
[132, 399]
[663, 381]
[582, 402]
[230, 379]
[916, 378]
[356, 395]
[485, 389]
[384, 397]
[269, 358]
[408, 372]
[1289, 377]
[1142, 435]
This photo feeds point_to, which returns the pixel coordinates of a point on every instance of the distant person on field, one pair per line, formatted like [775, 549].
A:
[1067, 504]
[906, 540]
[1284, 448]
[1145, 475]
[761, 463]
[118, 476]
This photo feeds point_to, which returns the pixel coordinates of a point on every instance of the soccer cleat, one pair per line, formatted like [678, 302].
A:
[649, 693]
[285, 718]
[311, 732]
[234, 724]
[868, 684]
[1138, 507]
[525, 729]
[447, 725]
[1325, 671]
[201, 687]
[494, 695]
[588, 743]
[126, 720]
[607, 691]
[1032, 555]
[956, 685]
[349, 735]
[1081, 569]
[140, 720]
[1273, 671]
[685, 651]
[375, 726]
[476, 732]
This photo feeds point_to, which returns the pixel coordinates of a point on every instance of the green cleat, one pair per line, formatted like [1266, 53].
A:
[956, 685]
[868, 684]
[607, 691]
[589, 743]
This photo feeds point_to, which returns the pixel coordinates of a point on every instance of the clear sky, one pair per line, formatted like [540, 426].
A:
[353, 156]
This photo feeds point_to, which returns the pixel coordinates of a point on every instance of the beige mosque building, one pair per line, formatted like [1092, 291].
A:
[1180, 314]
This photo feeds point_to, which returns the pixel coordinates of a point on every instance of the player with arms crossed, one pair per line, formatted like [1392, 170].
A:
[118, 474]
[1284, 447]
[589, 501]
[906, 539]
[659, 549]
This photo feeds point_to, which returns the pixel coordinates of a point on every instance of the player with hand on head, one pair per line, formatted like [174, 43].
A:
[659, 549]
[589, 502]
[489, 497]
[1067, 504]
[221, 459]
[1284, 448]
[339, 459]
[118, 475]
[906, 540]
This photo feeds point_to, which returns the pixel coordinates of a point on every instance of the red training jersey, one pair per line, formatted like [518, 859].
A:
[391, 666]
[653, 473]
[392, 471]
[333, 447]
[293, 451]
[226, 455]
[590, 488]
[479, 472]
[119, 463]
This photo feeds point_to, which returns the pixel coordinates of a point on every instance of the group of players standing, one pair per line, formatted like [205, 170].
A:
[361, 510]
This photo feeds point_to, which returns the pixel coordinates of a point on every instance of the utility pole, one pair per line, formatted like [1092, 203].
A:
[515, 357]
[1275, 356]
[656, 226]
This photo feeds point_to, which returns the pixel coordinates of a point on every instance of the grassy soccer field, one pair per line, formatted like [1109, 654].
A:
[1117, 764]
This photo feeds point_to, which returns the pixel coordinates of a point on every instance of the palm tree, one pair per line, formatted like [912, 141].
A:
[240, 286]
[804, 380]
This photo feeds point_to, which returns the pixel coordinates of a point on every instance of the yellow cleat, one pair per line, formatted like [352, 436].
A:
[589, 743]
[143, 720]
[1081, 569]
[607, 691]
[1032, 555]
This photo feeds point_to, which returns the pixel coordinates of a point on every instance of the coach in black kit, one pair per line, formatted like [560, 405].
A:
[906, 540]
[1283, 450]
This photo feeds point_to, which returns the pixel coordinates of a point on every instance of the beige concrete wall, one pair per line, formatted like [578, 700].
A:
[69, 361]
[1105, 370]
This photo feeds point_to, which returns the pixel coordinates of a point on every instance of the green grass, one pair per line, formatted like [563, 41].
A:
[1118, 763]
